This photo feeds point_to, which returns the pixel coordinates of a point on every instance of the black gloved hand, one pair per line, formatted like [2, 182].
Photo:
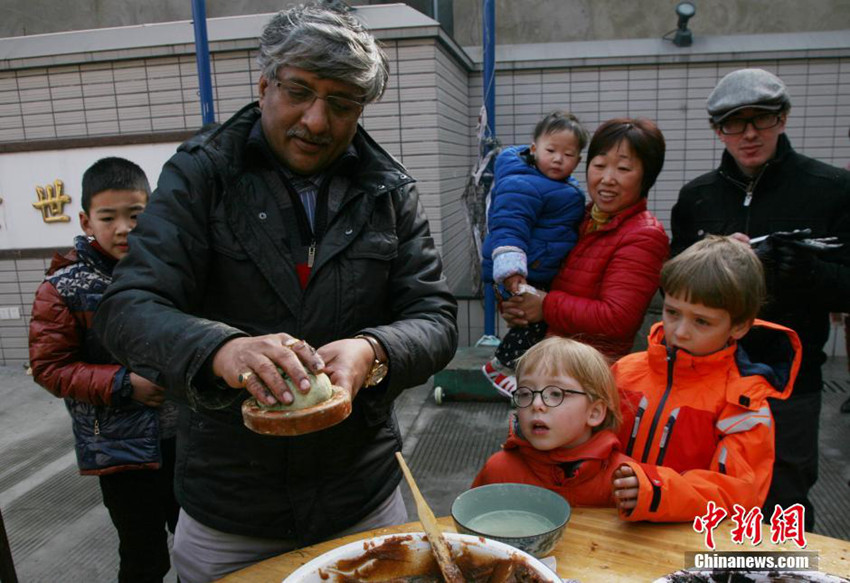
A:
[766, 251]
[795, 263]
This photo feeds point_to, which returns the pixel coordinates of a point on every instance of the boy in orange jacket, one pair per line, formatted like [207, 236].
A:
[562, 436]
[695, 413]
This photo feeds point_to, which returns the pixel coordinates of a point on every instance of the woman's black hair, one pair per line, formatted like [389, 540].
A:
[644, 138]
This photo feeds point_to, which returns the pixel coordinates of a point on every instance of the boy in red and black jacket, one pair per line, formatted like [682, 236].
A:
[121, 421]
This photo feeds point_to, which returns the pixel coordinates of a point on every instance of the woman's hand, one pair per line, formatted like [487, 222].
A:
[523, 309]
[626, 487]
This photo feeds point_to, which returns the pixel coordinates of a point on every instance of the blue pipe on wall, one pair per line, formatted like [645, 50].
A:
[202, 57]
[489, 46]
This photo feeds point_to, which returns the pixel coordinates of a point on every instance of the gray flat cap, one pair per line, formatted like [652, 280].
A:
[755, 88]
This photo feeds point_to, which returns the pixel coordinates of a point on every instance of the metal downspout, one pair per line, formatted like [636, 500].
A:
[489, 46]
[202, 57]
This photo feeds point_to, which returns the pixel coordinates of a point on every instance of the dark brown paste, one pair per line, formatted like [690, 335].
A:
[393, 561]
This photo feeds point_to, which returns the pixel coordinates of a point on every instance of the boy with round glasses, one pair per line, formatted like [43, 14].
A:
[764, 189]
[562, 436]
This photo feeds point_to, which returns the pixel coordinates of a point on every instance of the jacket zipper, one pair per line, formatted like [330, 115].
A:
[665, 435]
[311, 254]
[641, 410]
[671, 360]
[749, 189]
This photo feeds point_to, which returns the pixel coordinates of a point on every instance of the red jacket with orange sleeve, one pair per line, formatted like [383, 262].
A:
[581, 474]
[607, 281]
[699, 427]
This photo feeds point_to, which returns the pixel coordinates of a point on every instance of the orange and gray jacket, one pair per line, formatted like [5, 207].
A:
[699, 427]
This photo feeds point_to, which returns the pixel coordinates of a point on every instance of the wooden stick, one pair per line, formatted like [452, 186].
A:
[439, 546]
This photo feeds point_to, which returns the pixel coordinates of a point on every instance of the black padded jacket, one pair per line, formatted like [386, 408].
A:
[792, 192]
[212, 258]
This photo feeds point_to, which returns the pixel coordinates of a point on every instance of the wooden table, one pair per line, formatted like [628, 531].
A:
[596, 546]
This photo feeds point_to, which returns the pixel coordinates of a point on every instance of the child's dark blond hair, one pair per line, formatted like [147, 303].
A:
[561, 356]
[717, 272]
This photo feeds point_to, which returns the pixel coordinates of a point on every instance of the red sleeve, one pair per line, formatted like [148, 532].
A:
[55, 345]
[630, 280]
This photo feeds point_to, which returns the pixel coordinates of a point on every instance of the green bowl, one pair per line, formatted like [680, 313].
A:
[529, 518]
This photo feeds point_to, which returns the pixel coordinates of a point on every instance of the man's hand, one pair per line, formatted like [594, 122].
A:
[795, 262]
[625, 487]
[348, 362]
[145, 392]
[252, 363]
[740, 237]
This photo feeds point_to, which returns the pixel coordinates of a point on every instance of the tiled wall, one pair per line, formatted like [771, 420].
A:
[19, 279]
[427, 119]
[422, 120]
[674, 96]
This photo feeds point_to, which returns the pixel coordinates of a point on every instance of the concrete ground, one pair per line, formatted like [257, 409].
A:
[59, 529]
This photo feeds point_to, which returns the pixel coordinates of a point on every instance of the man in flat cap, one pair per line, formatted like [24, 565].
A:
[764, 188]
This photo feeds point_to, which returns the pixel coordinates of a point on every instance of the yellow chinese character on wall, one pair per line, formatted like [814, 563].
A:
[51, 202]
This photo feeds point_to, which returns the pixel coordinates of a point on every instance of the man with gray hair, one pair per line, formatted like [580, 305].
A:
[788, 206]
[284, 229]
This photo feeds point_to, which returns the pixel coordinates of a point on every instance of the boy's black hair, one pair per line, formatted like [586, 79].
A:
[112, 173]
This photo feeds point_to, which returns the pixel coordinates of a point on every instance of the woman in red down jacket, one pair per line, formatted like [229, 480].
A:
[603, 288]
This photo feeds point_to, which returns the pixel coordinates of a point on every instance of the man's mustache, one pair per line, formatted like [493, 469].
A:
[305, 135]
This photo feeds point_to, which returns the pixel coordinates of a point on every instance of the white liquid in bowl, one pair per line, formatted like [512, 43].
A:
[511, 523]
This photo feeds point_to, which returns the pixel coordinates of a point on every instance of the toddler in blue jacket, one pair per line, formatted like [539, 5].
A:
[535, 209]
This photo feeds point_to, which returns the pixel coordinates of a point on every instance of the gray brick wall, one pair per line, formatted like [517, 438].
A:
[674, 96]
[426, 119]
[19, 279]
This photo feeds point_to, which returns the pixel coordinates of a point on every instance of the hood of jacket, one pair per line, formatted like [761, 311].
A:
[768, 350]
[517, 161]
[582, 462]
[85, 252]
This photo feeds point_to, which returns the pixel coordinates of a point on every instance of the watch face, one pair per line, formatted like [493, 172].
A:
[377, 374]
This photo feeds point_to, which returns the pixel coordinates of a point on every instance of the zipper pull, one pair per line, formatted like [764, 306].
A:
[663, 441]
[96, 427]
[749, 195]
[311, 254]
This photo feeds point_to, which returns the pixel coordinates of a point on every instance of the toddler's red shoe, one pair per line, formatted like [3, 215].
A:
[503, 383]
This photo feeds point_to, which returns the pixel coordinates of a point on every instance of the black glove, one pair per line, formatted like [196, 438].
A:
[766, 251]
[795, 263]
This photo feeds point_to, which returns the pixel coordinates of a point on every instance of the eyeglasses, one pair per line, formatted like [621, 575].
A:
[300, 96]
[552, 396]
[738, 125]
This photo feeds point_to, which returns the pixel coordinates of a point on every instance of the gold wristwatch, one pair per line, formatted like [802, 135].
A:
[379, 369]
